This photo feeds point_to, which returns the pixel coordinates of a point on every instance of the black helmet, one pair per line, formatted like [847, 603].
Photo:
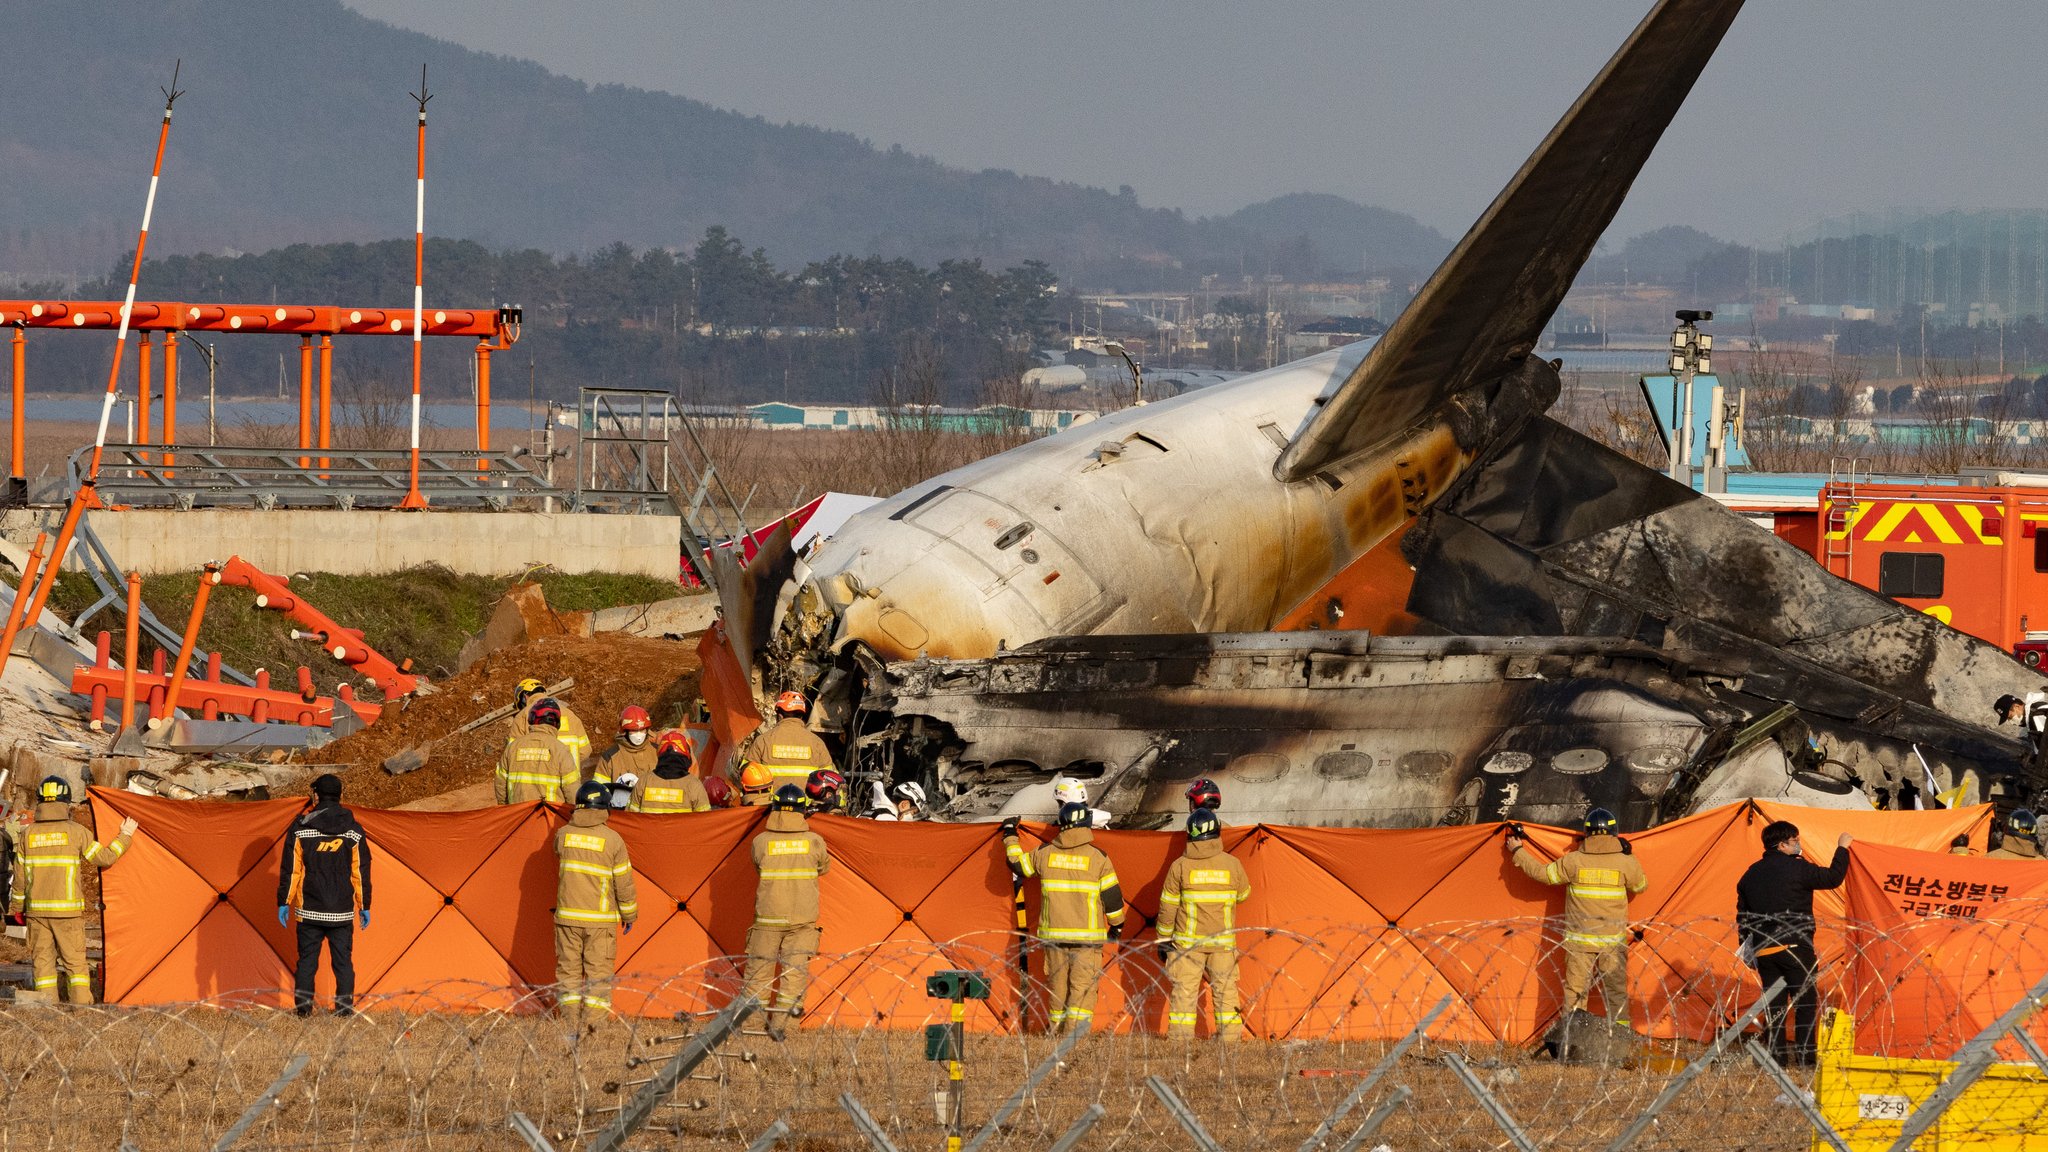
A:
[1601, 822]
[1203, 825]
[2020, 823]
[790, 798]
[1075, 816]
[594, 794]
[54, 790]
[2003, 705]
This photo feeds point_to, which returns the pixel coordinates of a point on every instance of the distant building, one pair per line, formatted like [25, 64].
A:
[780, 415]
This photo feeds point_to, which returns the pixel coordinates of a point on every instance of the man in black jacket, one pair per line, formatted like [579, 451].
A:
[324, 878]
[1774, 920]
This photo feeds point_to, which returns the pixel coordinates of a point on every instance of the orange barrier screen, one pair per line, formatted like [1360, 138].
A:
[1350, 933]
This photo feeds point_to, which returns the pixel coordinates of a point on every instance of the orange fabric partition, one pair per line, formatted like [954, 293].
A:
[1939, 946]
[1350, 933]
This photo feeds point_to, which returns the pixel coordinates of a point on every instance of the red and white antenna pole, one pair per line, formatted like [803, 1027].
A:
[87, 495]
[156, 172]
[413, 499]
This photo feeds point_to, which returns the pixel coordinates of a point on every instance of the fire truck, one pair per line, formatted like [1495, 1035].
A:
[1973, 554]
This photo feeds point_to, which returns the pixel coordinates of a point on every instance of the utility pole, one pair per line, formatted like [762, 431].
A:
[1691, 356]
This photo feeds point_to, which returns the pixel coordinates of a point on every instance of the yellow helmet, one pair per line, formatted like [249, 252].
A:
[527, 687]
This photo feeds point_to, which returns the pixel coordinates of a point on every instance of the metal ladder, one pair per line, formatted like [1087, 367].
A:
[711, 515]
[1846, 474]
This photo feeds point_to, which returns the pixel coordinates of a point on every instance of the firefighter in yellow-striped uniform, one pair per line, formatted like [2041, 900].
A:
[48, 890]
[568, 729]
[671, 786]
[788, 750]
[535, 765]
[1198, 917]
[1080, 905]
[1598, 877]
[790, 858]
[594, 902]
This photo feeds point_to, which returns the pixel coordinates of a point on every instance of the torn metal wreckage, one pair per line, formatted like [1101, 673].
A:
[1377, 586]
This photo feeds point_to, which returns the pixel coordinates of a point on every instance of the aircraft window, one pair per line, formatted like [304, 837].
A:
[1579, 761]
[1423, 765]
[1012, 535]
[1344, 765]
[1258, 767]
[1507, 763]
[1910, 575]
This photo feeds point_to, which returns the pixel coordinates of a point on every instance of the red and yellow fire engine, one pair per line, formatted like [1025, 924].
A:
[1974, 557]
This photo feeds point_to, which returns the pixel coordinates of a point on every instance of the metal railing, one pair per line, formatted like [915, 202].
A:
[172, 475]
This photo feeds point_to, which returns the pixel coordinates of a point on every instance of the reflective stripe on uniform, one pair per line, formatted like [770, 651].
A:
[1595, 941]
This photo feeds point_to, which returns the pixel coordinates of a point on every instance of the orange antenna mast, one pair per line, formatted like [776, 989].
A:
[413, 499]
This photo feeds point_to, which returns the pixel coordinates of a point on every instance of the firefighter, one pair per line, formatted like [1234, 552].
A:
[790, 858]
[1598, 878]
[569, 729]
[594, 902]
[324, 878]
[2018, 843]
[898, 803]
[1198, 915]
[671, 786]
[789, 750]
[535, 765]
[633, 751]
[47, 889]
[824, 788]
[1774, 922]
[757, 786]
[1203, 794]
[1080, 906]
[1069, 790]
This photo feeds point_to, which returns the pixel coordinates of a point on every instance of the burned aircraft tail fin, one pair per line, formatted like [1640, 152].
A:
[1481, 312]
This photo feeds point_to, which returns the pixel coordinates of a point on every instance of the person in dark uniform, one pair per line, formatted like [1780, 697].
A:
[1774, 920]
[324, 879]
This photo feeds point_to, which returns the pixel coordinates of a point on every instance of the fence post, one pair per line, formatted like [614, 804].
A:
[529, 1133]
[769, 1137]
[1698, 1066]
[865, 1124]
[1493, 1107]
[261, 1104]
[1972, 1062]
[1796, 1094]
[1016, 1099]
[1183, 1115]
[635, 1113]
[1395, 1099]
[1081, 1127]
[1373, 1078]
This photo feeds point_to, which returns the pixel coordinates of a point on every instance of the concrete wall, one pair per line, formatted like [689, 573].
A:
[365, 543]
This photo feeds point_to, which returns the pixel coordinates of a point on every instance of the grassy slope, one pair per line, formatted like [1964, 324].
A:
[423, 614]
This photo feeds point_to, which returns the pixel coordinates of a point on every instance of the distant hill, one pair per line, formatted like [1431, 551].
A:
[297, 129]
[1346, 236]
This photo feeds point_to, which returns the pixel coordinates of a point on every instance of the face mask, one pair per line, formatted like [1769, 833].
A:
[636, 739]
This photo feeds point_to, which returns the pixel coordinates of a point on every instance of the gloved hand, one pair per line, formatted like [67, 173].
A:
[283, 914]
[364, 916]
[626, 929]
[1010, 826]
[129, 826]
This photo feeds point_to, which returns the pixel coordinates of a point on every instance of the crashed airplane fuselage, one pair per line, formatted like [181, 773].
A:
[1060, 607]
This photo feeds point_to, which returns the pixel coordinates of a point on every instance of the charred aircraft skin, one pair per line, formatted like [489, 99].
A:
[1346, 729]
[1173, 528]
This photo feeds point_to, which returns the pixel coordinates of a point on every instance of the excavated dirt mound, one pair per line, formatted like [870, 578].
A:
[611, 671]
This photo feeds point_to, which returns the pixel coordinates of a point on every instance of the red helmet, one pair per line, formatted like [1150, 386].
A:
[674, 741]
[823, 785]
[634, 719]
[545, 712]
[1203, 793]
[718, 791]
[792, 704]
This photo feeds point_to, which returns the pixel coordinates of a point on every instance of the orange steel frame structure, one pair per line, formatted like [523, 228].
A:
[493, 329]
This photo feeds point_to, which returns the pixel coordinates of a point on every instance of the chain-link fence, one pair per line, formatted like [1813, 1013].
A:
[1361, 1037]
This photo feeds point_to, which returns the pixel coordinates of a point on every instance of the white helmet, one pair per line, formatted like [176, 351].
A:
[1067, 790]
[911, 791]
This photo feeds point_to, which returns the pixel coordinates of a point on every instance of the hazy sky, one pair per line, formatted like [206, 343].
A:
[1812, 107]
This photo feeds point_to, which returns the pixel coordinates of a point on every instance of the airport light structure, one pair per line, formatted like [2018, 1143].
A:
[1100, 346]
[1691, 355]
